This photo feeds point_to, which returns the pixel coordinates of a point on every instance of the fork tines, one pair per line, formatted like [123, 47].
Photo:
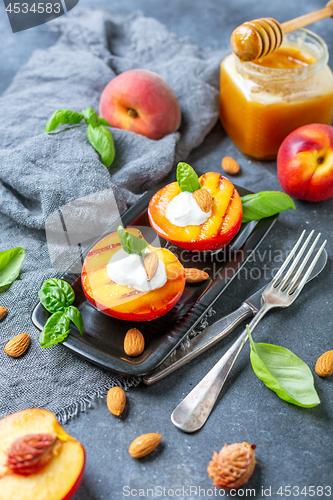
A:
[288, 287]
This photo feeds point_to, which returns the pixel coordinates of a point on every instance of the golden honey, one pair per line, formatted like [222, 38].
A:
[262, 102]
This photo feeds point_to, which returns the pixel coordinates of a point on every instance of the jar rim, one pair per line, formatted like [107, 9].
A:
[294, 73]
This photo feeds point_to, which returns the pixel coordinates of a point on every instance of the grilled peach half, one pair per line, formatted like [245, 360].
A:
[218, 230]
[121, 301]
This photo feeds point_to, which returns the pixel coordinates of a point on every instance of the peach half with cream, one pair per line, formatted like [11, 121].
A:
[202, 214]
[128, 279]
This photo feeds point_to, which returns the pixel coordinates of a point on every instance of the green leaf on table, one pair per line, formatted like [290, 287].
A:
[56, 295]
[75, 316]
[284, 373]
[131, 243]
[187, 178]
[264, 204]
[62, 117]
[101, 140]
[55, 330]
[90, 117]
[10, 265]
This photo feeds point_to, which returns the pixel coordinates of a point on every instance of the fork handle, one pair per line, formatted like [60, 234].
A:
[192, 413]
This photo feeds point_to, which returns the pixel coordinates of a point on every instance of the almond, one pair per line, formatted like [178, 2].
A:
[144, 444]
[17, 345]
[3, 311]
[134, 342]
[116, 400]
[193, 275]
[150, 263]
[324, 365]
[230, 166]
[204, 199]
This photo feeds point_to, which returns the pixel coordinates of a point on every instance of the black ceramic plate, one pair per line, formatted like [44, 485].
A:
[103, 337]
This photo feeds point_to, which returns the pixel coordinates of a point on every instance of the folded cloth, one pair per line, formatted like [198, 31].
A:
[41, 173]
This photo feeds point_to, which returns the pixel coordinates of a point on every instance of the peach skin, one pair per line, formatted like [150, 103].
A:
[142, 102]
[305, 163]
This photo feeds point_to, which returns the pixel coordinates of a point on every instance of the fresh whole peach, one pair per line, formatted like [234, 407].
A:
[27, 470]
[305, 163]
[142, 102]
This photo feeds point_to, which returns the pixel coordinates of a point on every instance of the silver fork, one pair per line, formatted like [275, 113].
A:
[192, 413]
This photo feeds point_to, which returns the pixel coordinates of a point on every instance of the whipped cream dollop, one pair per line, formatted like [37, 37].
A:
[183, 211]
[127, 269]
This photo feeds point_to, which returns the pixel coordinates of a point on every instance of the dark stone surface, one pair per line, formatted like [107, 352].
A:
[294, 445]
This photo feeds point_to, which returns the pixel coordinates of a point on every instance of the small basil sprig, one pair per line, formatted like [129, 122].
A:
[98, 135]
[284, 373]
[131, 243]
[187, 178]
[10, 265]
[57, 296]
[264, 204]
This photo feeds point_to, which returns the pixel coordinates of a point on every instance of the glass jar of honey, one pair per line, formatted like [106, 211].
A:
[261, 102]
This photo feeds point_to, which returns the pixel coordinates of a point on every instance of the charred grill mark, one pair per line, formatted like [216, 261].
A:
[225, 213]
[93, 269]
[203, 178]
[103, 249]
[130, 294]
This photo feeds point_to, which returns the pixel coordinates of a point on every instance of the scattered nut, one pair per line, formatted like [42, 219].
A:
[116, 400]
[150, 263]
[204, 199]
[3, 311]
[324, 365]
[17, 345]
[233, 465]
[230, 166]
[143, 445]
[193, 275]
[29, 454]
[134, 342]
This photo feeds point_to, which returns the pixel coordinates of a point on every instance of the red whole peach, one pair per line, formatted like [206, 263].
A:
[305, 163]
[142, 102]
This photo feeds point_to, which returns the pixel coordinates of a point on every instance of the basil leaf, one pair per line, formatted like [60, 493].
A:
[187, 178]
[56, 295]
[130, 243]
[90, 117]
[103, 121]
[259, 205]
[10, 265]
[284, 373]
[53, 299]
[55, 330]
[101, 139]
[62, 117]
[75, 316]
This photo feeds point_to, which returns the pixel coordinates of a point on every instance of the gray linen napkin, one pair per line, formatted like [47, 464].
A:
[40, 173]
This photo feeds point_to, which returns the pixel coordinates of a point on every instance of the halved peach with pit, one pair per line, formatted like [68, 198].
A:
[59, 479]
[218, 230]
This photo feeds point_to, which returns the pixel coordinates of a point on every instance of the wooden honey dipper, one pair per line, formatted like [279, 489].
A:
[257, 38]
